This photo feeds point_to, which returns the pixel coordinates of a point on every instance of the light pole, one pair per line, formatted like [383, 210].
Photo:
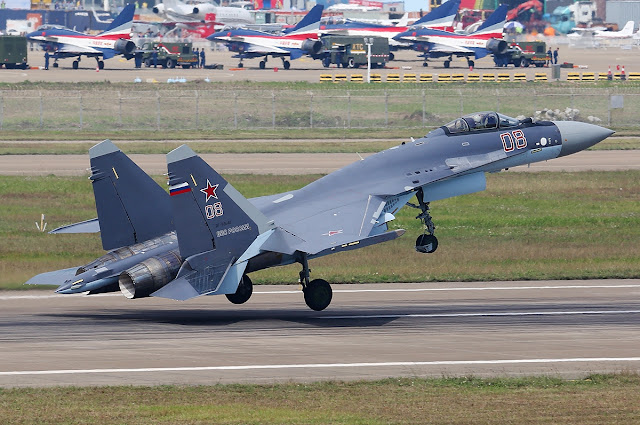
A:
[368, 41]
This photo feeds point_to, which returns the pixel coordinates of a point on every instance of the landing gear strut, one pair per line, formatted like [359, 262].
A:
[427, 242]
[317, 293]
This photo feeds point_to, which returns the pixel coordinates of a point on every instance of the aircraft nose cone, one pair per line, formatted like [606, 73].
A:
[578, 136]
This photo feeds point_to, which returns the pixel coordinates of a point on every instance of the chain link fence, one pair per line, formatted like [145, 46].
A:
[203, 109]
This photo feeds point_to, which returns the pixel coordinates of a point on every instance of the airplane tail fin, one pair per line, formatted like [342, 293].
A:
[131, 206]
[628, 28]
[442, 15]
[495, 22]
[215, 226]
[122, 23]
[310, 22]
[404, 21]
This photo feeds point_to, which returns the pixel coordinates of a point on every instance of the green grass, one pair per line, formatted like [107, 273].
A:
[597, 399]
[244, 146]
[524, 226]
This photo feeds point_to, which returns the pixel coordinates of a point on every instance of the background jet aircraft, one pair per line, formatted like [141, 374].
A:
[66, 43]
[440, 18]
[301, 40]
[437, 44]
[175, 10]
[222, 237]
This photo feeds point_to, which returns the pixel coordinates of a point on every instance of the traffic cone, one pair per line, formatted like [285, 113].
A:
[470, 67]
[622, 74]
[609, 75]
[97, 68]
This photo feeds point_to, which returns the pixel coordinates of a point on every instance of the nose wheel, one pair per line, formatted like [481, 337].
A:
[427, 242]
[317, 293]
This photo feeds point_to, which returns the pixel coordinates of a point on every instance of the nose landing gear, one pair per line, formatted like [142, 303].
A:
[427, 242]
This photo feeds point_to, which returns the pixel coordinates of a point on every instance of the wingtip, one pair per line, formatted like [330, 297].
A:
[103, 148]
[180, 153]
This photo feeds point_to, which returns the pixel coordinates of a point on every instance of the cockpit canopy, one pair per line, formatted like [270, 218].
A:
[480, 121]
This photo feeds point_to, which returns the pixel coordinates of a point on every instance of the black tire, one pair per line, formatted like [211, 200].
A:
[147, 63]
[286, 64]
[471, 64]
[447, 64]
[426, 244]
[351, 63]
[263, 64]
[75, 64]
[517, 62]
[240, 65]
[318, 294]
[171, 63]
[56, 64]
[526, 63]
[425, 64]
[391, 56]
[100, 64]
[243, 293]
[186, 66]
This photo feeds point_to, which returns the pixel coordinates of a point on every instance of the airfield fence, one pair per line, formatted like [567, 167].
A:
[179, 109]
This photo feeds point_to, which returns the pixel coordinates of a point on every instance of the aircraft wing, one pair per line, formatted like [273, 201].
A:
[87, 226]
[263, 46]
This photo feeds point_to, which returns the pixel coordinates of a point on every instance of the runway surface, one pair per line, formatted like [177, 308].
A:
[561, 328]
[291, 163]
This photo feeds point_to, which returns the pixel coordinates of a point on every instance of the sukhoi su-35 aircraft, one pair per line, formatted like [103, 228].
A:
[222, 236]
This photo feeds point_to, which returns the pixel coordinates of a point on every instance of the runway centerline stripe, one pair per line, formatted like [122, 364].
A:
[346, 291]
[321, 366]
[486, 314]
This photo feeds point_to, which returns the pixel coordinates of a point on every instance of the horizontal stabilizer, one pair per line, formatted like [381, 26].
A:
[56, 278]
[87, 226]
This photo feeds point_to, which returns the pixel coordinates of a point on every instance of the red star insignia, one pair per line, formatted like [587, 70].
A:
[210, 191]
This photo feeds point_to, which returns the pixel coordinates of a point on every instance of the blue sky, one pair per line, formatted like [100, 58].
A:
[414, 5]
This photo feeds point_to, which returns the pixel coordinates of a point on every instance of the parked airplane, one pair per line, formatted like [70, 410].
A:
[437, 44]
[249, 44]
[222, 236]
[601, 33]
[65, 43]
[440, 18]
[175, 10]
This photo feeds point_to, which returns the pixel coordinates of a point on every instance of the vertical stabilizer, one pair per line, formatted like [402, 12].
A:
[495, 22]
[131, 206]
[310, 22]
[122, 23]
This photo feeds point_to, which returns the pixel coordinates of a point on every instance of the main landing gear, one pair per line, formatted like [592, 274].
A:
[285, 63]
[427, 242]
[317, 293]
[243, 293]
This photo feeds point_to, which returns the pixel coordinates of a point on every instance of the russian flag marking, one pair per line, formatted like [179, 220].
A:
[179, 188]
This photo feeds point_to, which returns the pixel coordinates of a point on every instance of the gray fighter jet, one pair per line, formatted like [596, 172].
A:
[222, 237]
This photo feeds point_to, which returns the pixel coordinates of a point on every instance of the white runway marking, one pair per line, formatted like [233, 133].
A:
[321, 366]
[486, 314]
[479, 288]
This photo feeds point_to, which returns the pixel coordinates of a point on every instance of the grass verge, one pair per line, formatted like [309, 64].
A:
[597, 399]
[525, 226]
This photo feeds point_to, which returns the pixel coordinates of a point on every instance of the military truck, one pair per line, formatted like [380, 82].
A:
[525, 53]
[170, 55]
[351, 51]
[13, 51]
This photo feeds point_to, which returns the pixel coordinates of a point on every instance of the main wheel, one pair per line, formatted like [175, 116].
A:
[391, 56]
[171, 63]
[56, 64]
[425, 64]
[318, 294]
[263, 64]
[286, 64]
[243, 293]
[75, 64]
[426, 244]
[447, 64]
[240, 65]
[100, 64]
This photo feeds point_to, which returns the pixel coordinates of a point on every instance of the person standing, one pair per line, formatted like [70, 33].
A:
[549, 57]
[555, 56]
[154, 57]
[46, 59]
[202, 58]
[195, 52]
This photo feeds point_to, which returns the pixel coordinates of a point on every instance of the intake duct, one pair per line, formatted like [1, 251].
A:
[312, 46]
[497, 46]
[150, 275]
[156, 9]
[196, 10]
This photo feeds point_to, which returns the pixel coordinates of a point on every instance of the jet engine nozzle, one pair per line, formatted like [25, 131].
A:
[577, 136]
[124, 46]
[196, 10]
[150, 275]
[312, 46]
[497, 46]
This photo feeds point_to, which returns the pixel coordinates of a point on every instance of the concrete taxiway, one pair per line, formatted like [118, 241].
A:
[561, 328]
[291, 163]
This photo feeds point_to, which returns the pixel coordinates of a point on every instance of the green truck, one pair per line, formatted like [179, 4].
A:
[351, 51]
[13, 51]
[525, 53]
[169, 55]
